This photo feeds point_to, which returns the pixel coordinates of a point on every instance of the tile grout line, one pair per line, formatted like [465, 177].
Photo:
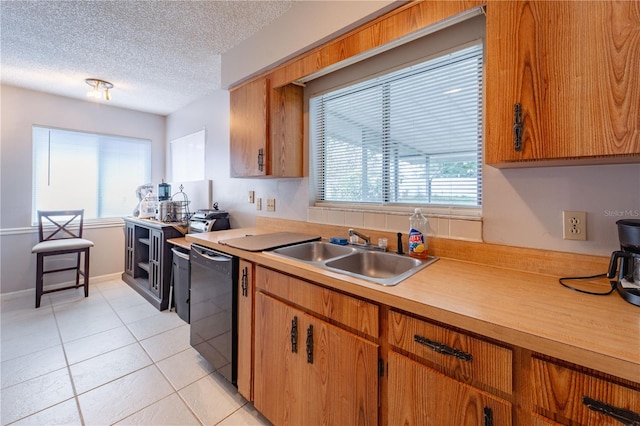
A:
[66, 360]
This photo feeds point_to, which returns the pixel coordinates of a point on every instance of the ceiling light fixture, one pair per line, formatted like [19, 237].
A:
[100, 88]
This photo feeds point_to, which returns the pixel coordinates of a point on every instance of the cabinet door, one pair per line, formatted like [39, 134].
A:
[245, 329]
[286, 122]
[572, 66]
[279, 363]
[129, 244]
[249, 129]
[155, 261]
[567, 394]
[421, 396]
[310, 372]
[342, 372]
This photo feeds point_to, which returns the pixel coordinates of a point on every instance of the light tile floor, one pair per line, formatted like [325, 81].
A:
[111, 358]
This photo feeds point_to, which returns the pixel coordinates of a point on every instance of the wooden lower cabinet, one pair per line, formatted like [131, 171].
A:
[421, 396]
[309, 372]
[573, 395]
[245, 329]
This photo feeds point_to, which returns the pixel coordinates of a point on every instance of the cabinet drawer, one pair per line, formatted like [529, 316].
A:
[357, 314]
[421, 396]
[563, 394]
[466, 358]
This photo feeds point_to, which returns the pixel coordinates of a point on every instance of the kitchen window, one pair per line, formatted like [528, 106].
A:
[96, 172]
[409, 136]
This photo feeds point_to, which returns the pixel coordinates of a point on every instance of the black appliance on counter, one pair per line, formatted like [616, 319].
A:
[213, 309]
[628, 279]
[208, 220]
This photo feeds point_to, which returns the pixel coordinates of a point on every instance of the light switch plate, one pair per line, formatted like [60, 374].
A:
[259, 203]
[252, 197]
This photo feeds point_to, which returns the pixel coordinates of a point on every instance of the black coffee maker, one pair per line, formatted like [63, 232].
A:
[628, 277]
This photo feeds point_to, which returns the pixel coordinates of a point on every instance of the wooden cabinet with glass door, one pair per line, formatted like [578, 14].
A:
[562, 82]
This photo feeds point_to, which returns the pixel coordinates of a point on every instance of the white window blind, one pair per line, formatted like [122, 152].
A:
[99, 173]
[412, 136]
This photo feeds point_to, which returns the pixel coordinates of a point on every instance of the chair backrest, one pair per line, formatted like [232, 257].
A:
[60, 224]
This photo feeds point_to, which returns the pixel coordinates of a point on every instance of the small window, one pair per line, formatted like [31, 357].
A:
[98, 173]
[409, 137]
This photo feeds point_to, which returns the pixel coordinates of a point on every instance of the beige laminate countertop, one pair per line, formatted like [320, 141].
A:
[524, 309]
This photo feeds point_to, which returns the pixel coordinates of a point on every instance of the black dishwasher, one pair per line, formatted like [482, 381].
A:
[214, 301]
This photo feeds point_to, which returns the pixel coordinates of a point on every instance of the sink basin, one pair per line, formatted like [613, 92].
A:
[314, 251]
[375, 266]
[380, 267]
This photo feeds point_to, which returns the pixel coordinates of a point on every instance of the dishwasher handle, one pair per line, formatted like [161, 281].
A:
[211, 255]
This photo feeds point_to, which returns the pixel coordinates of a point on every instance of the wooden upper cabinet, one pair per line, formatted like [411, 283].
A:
[573, 68]
[266, 130]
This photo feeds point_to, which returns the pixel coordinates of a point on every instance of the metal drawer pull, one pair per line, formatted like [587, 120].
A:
[310, 344]
[441, 348]
[626, 417]
[294, 335]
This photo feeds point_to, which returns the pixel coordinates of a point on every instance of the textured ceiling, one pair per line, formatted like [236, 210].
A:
[160, 55]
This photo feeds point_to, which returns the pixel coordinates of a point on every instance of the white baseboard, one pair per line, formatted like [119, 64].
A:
[32, 291]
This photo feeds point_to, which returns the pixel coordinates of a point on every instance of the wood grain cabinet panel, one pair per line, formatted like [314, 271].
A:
[266, 130]
[421, 396]
[468, 359]
[309, 372]
[573, 68]
[245, 329]
[354, 313]
[564, 394]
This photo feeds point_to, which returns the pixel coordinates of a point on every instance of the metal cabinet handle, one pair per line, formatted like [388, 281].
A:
[626, 417]
[294, 335]
[441, 348]
[517, 127]
[310, 344]
[261, 159]
[488, 417]
[245, 282]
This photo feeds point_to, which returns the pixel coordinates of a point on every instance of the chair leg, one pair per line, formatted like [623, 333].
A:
[39, 278]
[78, 269]
[86, 273]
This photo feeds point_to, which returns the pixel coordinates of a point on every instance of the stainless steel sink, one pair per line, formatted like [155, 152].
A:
[315, 251]
[375, 266]
[380, 267]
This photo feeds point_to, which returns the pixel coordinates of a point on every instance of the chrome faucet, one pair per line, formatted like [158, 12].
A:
[367, 239]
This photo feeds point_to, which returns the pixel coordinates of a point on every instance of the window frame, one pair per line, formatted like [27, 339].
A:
[102, 138]
[316, 172]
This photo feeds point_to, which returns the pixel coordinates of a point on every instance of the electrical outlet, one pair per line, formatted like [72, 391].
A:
[259, 204]
[574, 225]
[252, 197]
[271, 204]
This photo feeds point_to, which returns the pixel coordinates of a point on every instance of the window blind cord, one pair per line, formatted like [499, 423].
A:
[593, 293]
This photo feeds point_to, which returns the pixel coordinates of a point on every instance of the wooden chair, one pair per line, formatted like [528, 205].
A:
[60, 233]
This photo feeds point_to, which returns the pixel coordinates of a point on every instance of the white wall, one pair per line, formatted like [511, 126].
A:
[306, 24]
[20, 110]
[212, 114]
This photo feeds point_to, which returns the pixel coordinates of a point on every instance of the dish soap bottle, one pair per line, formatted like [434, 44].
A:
[418, 235]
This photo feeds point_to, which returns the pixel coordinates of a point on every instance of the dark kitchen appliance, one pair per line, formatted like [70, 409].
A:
[208, 220]
[213, 309]
[628, 260]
